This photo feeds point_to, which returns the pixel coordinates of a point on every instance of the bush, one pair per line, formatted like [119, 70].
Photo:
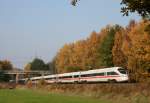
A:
[41, 83]
[29, 84]
[4, 77]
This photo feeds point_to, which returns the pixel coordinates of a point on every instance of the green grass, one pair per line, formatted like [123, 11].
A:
[30, 96]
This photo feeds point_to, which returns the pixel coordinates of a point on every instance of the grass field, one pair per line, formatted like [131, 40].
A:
[30, 96]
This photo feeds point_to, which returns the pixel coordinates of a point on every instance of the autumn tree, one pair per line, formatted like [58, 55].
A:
[91, 52]
[77, 56]
[6, 65]
[112, 46]
[27, 67]
[138, 48]
[80, 55]
[63, 58]
[129, 27]
[119, 58]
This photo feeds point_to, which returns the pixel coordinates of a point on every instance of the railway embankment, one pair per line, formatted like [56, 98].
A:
[120, 92]
[7, 85]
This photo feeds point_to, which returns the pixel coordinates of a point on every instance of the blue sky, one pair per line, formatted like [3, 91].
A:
[30, 28]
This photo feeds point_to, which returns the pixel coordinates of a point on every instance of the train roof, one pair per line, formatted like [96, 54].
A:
[100, 70]
[69, 74]
[90, 71]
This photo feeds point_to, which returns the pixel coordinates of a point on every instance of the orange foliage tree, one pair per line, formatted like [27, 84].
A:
[119, 58]
[138, 50]
[6, 65]
[114, 45]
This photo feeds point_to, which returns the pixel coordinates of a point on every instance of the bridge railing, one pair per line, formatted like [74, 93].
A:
[25, 72]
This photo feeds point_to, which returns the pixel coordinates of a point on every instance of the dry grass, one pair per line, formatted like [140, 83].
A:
[7, 86]
[124, 93]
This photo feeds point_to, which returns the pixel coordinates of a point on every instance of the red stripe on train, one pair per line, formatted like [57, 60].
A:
[90, 77]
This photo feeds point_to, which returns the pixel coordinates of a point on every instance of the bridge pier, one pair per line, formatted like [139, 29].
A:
[17, 78]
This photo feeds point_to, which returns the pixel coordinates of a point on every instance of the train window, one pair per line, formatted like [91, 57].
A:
[122, 71]
[101, 74]
[94, 74]
[98, 74]
[65, 77]
[49, 78]
[59, 77]
[76, 76]
[86, 75]
[112, 73]
[54, 78]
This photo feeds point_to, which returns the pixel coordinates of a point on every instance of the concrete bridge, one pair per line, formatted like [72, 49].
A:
[16, 75]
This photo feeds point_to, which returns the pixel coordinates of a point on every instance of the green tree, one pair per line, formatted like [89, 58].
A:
[52, 66]
[4, 77]
[142, 7]
[105, 49]
[73, 2]
[38, 64]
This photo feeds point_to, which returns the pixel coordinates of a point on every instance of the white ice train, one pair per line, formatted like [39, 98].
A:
[113, 74]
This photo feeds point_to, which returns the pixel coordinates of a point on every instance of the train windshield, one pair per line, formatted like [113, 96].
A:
[122, 71]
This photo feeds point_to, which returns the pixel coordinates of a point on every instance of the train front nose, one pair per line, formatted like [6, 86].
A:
[125, 78]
